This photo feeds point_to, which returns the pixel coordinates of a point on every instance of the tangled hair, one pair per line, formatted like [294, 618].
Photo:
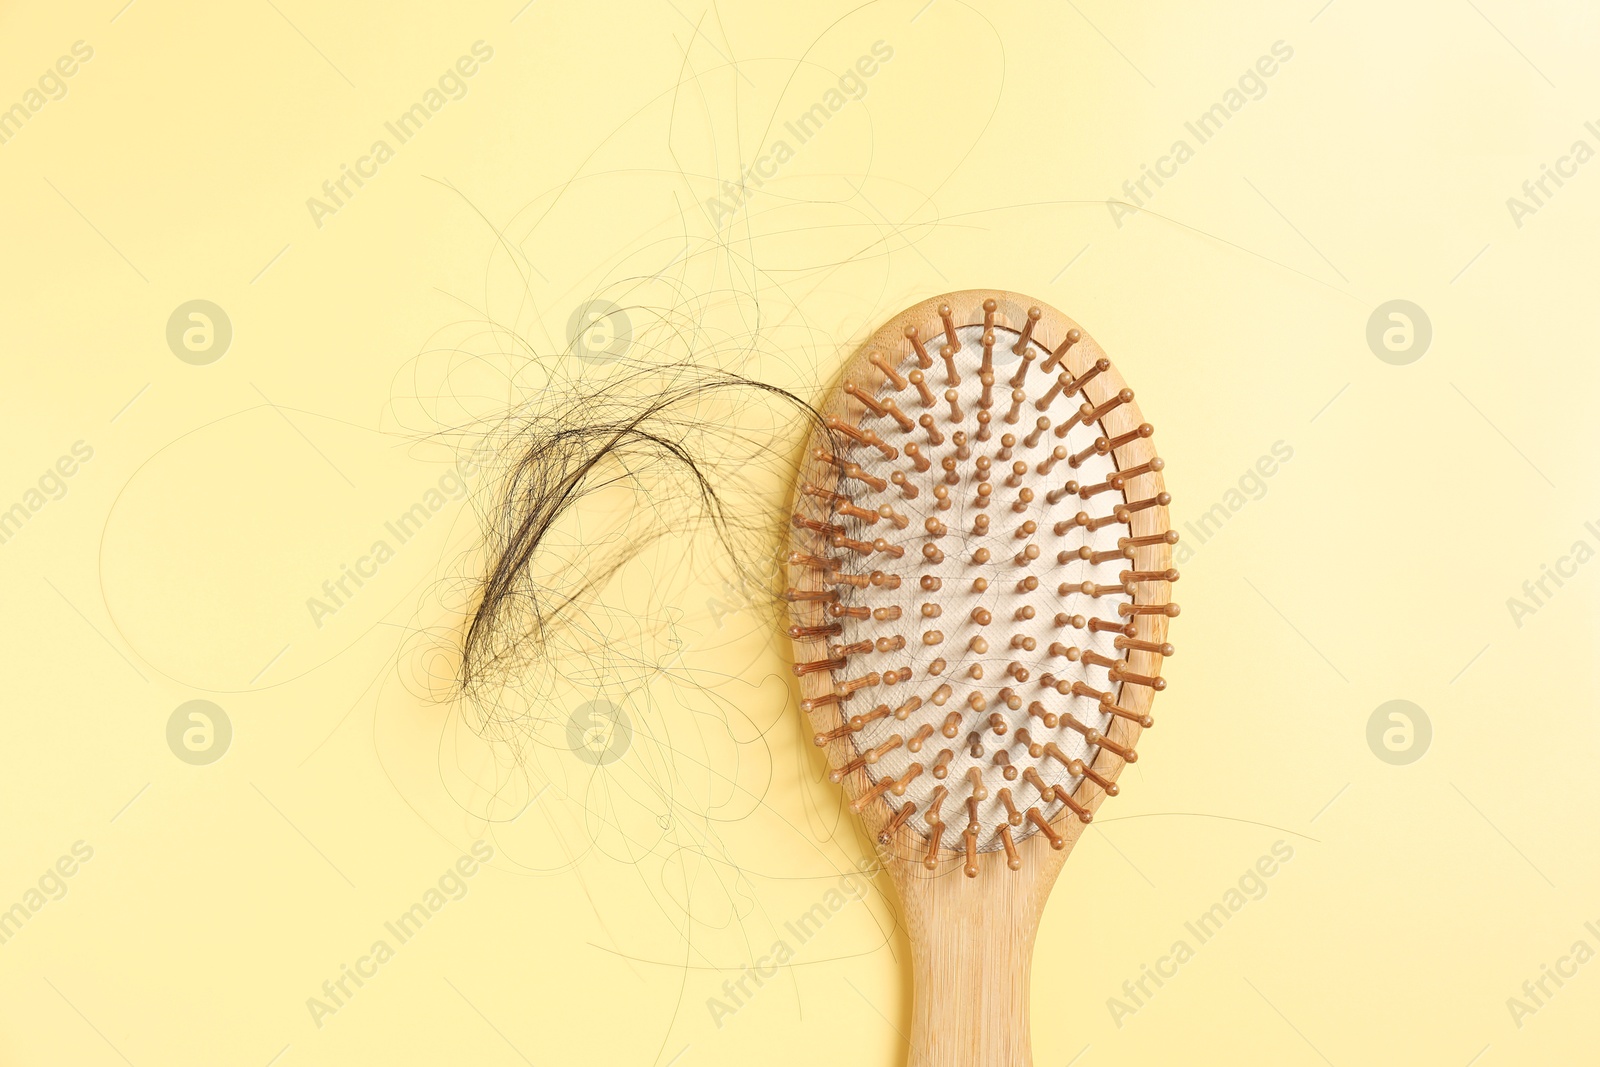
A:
[698, 449]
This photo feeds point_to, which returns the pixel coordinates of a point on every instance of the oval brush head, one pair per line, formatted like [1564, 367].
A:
[981, 580]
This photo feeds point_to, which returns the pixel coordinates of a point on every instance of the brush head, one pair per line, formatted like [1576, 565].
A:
[980, 574]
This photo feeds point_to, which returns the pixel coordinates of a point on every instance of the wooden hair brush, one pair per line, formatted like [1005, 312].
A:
[980, 578]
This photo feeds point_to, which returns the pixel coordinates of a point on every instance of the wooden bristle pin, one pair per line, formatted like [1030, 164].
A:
[1100, 367]
[1044, 715]
[1014, 414]
[873, 755]
[1160, 499]
[851, 470]
[964, 633]
[1062, 382]
[1128, 755]
[945, 316]
[1013, 860]
[924, 361]
[801, 522]
[1083, 813]
[1021, 347]
[1155, 463]
[1168, 537]
[903, 783]
[1100, 447]
[903, 420]
[935, 832]
[1072, 337]
[822, 739]
[889, 372]
[858, 723]
[1090, 413]
[839, 774]
[1013, 816]
[809, 633]
[1055, 496]
[953, 397]
[896, 821]
[870, 795]
[1160, 648]
[1078, 419]
[1055, 839]
[1120, 712]
[1087, 491]
[1071, 722]
[1084, 770]
[867, 400]
[1143, 430]
[862, 514]
[951, 376]
[1109, 626]
[1169, 610]
[803, 669]
[1117, 674]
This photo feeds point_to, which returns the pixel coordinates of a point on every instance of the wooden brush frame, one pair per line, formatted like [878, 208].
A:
[972, 937]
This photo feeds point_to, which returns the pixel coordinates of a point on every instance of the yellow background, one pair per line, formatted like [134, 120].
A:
[1376, 566]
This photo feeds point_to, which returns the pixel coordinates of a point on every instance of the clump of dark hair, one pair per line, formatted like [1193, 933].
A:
[698, 448]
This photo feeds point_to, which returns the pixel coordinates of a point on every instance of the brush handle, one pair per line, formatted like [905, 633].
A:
[971, 956]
